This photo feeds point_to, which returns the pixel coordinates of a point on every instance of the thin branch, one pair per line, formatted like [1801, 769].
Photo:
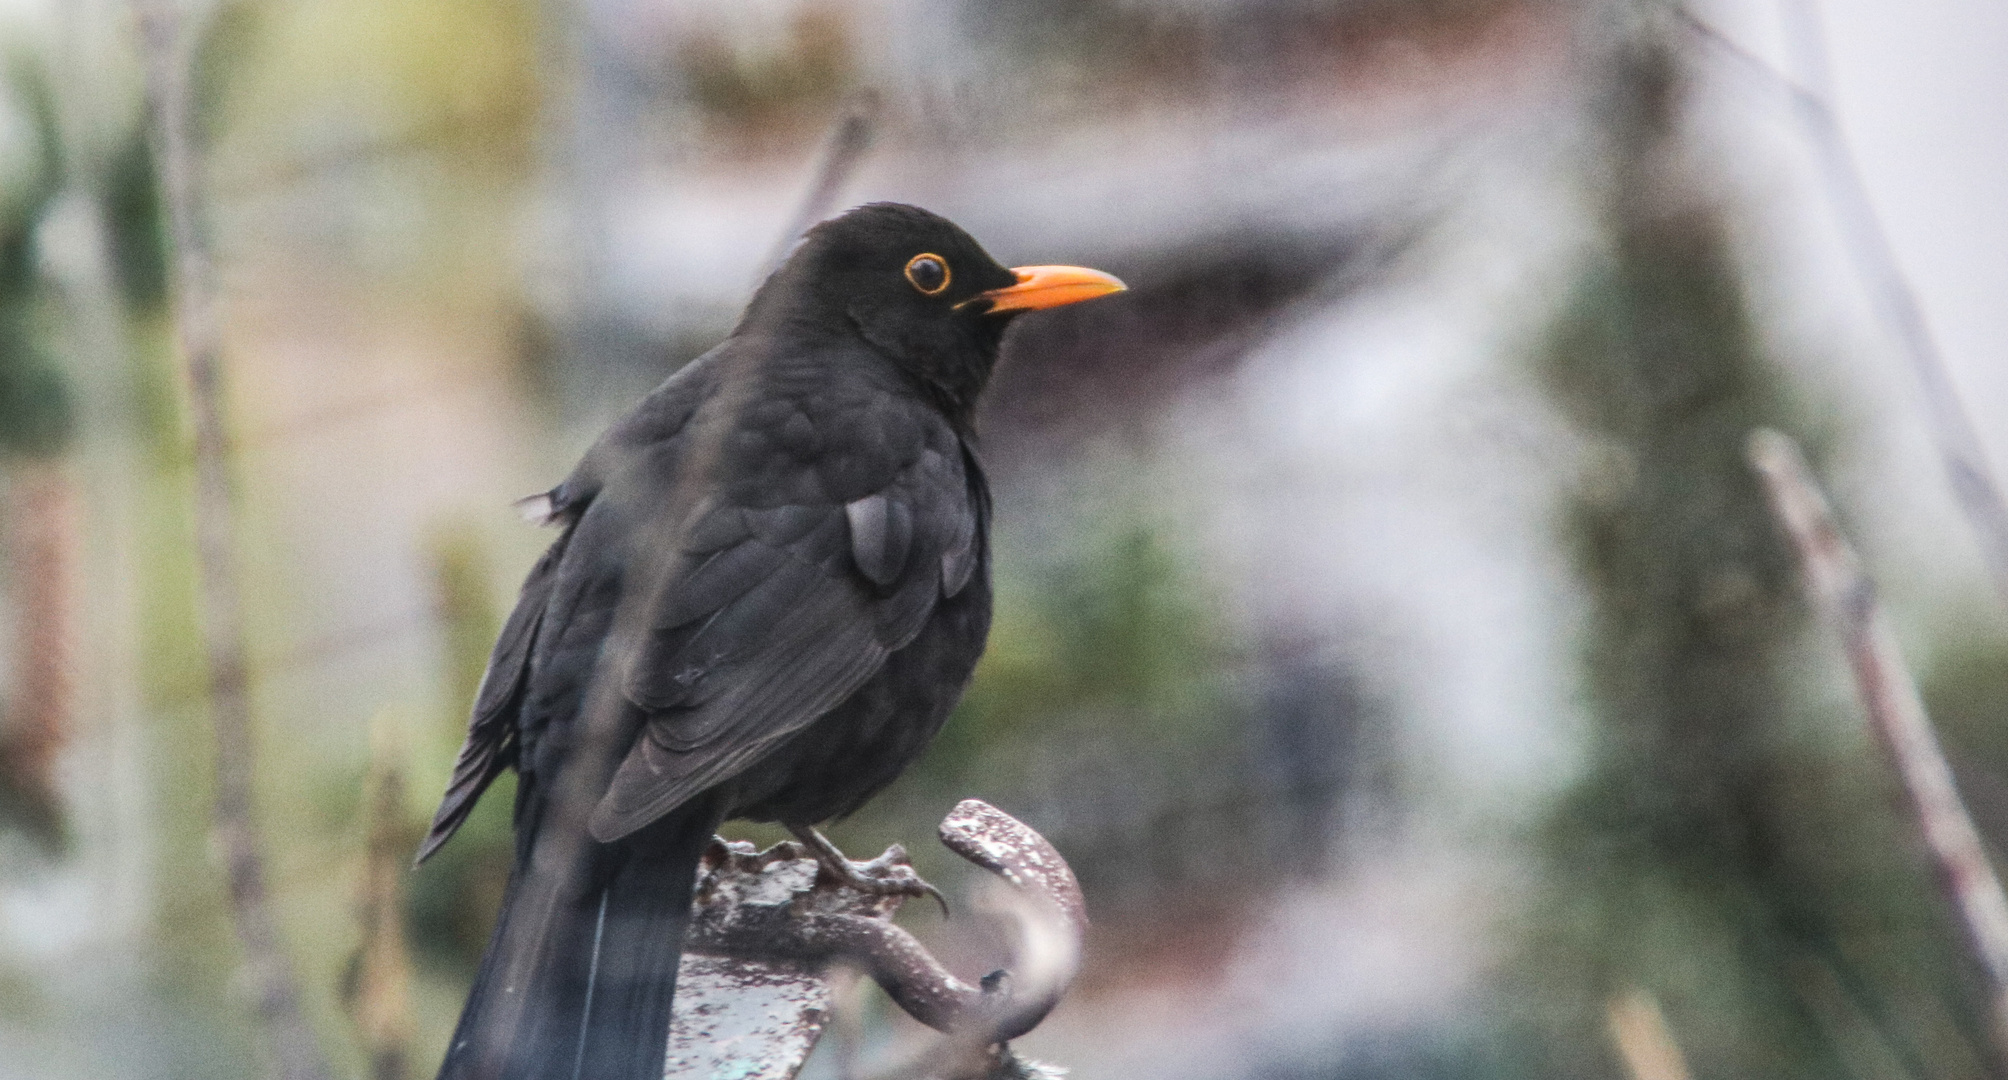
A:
[1845, 595]
[167, 50]
[1960, 449]
[841, 155]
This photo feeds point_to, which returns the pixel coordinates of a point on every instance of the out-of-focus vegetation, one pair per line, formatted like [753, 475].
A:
[453, 904]
[1254, 518]
[1110, 656]
[36, 422]
[36, 417]
[1732, 849]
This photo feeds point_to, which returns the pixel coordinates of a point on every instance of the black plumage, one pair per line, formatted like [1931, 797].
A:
[771, 587]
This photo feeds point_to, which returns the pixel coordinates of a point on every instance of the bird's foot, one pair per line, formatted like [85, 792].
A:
[888, 875]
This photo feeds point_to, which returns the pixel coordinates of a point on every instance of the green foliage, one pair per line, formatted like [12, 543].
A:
[1118, 626]
[37, 414]
[1105, 710]
[1966, 693]
[35, 409]
[137, 234]
[1728, 850]
[452, 900]
[1114, 630]
[460, 74]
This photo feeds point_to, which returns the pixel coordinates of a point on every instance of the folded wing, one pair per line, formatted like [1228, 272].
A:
[768, 618]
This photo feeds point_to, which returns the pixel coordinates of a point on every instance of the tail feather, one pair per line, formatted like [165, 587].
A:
[578, 979]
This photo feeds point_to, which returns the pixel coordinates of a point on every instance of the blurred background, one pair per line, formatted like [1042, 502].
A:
[1389, 629]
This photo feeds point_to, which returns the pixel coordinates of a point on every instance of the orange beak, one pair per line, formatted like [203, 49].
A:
[1041, 287]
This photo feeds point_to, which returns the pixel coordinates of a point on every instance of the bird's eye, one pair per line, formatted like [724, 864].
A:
[928, 273]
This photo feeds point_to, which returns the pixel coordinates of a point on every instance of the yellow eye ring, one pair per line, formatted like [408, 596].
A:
[922, 271]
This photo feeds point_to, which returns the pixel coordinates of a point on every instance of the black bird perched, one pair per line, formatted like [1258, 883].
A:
[772, 585]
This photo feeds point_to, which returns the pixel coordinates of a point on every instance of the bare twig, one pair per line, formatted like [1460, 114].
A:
[841, 155]
[167, 51]
[1844, 593]
[1960, 449]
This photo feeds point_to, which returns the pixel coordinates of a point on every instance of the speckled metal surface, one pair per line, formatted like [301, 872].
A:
[751, 997]
[745, 1019]
[1013, 850]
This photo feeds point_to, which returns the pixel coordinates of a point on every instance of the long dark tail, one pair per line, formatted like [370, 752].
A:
[577, 981]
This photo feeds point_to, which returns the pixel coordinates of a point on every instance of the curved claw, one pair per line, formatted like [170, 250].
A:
[939, 899]
[888, 875]
[863, 878]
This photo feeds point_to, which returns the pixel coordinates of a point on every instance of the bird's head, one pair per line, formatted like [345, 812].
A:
[916, 287]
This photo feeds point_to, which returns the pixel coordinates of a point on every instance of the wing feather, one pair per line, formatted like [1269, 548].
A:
[543, 608]
[762, 637]
[491, 732]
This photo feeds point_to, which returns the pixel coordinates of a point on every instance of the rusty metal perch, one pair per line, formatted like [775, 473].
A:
[754, 989]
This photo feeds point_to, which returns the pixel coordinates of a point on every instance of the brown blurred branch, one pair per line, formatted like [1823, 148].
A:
[1960, 449]
[42, 549]
[1847, 597]
[167, 49]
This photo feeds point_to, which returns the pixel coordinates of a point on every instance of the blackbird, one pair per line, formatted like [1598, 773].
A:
[771, 587]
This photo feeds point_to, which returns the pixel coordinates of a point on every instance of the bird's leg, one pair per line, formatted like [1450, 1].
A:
[887, 875]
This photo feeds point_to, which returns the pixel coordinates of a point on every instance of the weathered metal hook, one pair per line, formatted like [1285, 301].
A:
[753, 991]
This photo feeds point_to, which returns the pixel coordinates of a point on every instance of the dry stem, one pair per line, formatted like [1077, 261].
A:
[167, 51]
[1847, 598]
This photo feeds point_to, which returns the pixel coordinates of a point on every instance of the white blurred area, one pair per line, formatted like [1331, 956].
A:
[1365, 464]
